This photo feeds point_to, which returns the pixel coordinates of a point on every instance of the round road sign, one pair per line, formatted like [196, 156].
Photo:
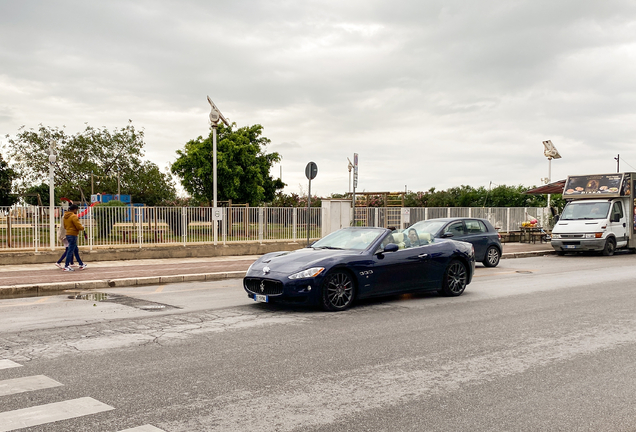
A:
[311, 170]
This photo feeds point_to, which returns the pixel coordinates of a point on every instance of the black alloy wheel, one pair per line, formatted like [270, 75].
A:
[338, 291]
[492, 257]
[455, 279]
[610, 247]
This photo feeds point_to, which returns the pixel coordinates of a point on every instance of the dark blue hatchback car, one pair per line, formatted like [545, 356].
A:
[478, 232]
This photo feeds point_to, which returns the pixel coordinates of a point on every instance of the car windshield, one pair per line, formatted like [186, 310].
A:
[430, 226]
[349, 238]
[585, 210]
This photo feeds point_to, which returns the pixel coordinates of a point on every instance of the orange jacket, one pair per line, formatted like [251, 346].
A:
[72, 224]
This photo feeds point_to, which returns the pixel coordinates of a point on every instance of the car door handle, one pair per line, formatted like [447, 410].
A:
[423, 256]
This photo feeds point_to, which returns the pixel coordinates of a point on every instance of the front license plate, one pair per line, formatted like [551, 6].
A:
[260, 298]
[570, 246]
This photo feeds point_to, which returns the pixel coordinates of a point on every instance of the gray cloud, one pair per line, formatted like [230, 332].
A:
[430, 94]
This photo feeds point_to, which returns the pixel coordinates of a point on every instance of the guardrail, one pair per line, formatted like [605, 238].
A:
[28, 227]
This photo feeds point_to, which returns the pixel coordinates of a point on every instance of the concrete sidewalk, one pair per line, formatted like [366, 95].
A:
[34, 279]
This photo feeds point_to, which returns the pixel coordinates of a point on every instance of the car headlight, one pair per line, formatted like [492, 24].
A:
[589, 236]
[309, 273]
[556, 236]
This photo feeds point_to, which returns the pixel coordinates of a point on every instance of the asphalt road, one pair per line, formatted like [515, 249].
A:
[536, 344]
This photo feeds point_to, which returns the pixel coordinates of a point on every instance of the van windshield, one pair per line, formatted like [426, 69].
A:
[585, 210]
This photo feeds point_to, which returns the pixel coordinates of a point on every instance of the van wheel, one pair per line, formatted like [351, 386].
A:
[610, 247]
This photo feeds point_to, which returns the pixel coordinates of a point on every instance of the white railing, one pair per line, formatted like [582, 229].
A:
[505, 219]
[28, 227]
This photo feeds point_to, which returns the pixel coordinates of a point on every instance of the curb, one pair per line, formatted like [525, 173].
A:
[35, 289]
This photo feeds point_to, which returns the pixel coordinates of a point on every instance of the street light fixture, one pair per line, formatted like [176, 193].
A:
[215, 116]
[350, 168]
[550, 152]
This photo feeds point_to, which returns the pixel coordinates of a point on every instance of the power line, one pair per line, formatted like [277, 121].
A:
[625, 162]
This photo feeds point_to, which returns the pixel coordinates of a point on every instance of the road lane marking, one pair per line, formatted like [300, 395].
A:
[26, 384]
[158, 290]
[6, 364]
[42, 414]
[145, 428]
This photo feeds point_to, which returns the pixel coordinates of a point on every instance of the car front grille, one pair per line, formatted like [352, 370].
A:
[263, 286]
[571, 243]
[572, 236]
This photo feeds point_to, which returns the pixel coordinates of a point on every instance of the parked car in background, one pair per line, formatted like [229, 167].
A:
[479, 232]
[359, 262]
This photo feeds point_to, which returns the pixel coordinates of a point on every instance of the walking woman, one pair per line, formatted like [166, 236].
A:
[73, 227]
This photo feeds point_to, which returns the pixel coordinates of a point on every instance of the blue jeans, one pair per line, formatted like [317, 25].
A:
[72, 250]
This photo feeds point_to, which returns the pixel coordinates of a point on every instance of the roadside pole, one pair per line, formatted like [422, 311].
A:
[311, 170]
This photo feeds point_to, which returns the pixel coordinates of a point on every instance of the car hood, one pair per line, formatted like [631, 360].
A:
[298, 260]
[579, 226]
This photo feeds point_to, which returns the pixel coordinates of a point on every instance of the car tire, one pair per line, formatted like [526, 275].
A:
[338, 291]
[492, 257]
[610, 247]
[455, 279]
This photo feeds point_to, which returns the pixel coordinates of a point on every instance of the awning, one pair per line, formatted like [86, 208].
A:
[551, 188]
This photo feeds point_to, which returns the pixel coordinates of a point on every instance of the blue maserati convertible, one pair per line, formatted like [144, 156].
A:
[359, 262]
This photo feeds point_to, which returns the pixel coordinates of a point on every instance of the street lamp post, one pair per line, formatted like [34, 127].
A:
[215, 116]
[52, 159]
[550, 152]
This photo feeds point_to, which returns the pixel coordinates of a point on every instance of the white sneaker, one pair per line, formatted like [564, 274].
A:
[83, 266]
[59, 265]
[68, 269]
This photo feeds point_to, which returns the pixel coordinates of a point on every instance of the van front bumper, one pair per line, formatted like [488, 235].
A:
[566, 245]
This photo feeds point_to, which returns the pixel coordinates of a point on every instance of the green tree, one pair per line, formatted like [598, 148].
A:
[96, 155]
[30, 195]
[7, 175]
[242, 169]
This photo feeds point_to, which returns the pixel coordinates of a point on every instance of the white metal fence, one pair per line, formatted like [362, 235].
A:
[28, 227]
[505, 219]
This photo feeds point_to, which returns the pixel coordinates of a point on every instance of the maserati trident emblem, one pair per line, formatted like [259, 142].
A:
[262, 286]
[266, 270]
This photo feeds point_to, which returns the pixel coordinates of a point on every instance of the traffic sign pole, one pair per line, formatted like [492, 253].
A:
[311, 170]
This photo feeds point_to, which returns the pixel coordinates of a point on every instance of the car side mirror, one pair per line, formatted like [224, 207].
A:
[616, 218]
[391, 247]
[447, 235]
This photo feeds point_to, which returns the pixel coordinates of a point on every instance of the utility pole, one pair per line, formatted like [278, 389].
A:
[215, 116]
[618, 163]
[52, 159]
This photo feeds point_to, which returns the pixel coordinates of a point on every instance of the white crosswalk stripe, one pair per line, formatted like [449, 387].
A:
[42, 414]
[6, 364]
[52, 412]
[146, 428]
[25, 384]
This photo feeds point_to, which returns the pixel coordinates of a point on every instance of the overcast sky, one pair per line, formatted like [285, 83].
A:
[428, 93]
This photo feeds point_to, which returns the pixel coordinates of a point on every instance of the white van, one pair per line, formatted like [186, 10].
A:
[599, 215]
